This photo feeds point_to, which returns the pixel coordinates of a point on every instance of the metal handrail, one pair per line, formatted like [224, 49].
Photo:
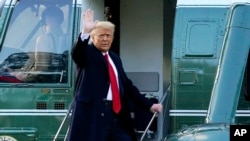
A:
[154, 115]
[64, 119]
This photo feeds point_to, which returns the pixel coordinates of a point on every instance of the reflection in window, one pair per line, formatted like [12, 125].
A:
[1, 5]
[35, 49]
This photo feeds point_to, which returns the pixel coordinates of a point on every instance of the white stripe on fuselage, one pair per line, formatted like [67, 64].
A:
[32, 112]
[51, 112]
[239, 113]
[210, 2]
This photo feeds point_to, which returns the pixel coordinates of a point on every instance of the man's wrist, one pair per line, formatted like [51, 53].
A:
[84, 36]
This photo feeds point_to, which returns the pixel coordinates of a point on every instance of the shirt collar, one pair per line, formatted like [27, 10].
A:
[103, 53]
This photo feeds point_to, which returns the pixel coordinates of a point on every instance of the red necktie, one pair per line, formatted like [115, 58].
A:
[114, 87]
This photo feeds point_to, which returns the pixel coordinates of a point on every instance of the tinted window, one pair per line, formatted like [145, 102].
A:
[35, 48]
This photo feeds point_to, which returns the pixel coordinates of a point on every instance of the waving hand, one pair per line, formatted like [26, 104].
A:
[88, 21]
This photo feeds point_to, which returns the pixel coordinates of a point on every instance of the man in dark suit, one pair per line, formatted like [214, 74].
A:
[99, 114]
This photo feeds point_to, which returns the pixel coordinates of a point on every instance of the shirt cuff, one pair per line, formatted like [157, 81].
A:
[84, 36]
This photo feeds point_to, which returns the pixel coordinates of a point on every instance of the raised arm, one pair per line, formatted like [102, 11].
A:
[81, 43]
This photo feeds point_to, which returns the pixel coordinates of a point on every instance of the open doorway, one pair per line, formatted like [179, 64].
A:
[112, 13]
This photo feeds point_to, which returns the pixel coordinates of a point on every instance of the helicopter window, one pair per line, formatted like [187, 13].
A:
[204, 47]
[35, 49]
[5, 11]
[2, 2]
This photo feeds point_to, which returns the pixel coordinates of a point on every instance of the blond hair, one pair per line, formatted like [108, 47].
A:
[104, 25]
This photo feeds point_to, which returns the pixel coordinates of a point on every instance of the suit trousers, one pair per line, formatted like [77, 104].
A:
[111, 129]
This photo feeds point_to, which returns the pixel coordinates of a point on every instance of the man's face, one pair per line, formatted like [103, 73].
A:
[102, 39]
[52, 22]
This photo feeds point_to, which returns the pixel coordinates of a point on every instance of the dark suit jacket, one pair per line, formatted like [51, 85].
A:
[92, 89]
